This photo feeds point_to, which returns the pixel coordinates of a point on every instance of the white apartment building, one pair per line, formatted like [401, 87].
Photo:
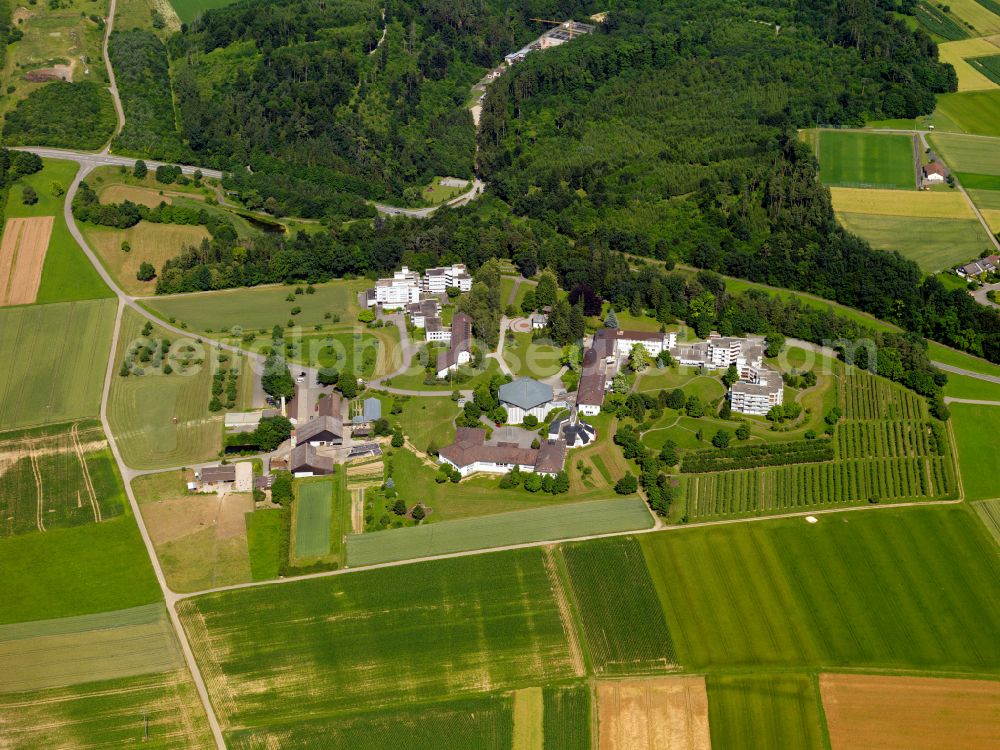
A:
[654, 343]
[435, 330]
[437, 280]
[401, 290]
[757, 394]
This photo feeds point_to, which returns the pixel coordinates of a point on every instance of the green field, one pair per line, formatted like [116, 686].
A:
[975, 112]
[159, 711]
[517, 527]
[567, 717]
[482, 723]
[313, 510]
[533, 359]
[427, 420]
[259, 308]
[934, 244]
[962, 386]
[624, 626]
[965, 153]
[162, 420]
[60, 379]
[74, 650]
[67, 274]
[856, 159]
[189, 10]
[264, 531]
[887, 589]
[764, 711]
[976, 429]
[955, 358]
[77, 571]
[57, 476]
[385, 637]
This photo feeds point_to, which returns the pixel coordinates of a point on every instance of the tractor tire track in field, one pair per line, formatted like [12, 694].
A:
[85, 470]
[565, 613]
[40, 499]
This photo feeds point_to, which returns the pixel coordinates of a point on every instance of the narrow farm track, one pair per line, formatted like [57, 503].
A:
[91, 494]
[112, 81]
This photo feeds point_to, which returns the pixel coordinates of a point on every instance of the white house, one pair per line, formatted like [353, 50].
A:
[435, 330]
[438, 280]
[401, 290]
[460, 349]
[470, 453]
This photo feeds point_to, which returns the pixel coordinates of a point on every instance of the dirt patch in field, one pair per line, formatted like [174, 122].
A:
[141, 196]
[658, 714]
[22, 255]
[872, 712]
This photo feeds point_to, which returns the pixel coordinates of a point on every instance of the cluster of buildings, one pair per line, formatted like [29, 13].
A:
[407, 287]
[758, 389]
[312, 440]
[561, 34]
[981, 268]
[472, 452]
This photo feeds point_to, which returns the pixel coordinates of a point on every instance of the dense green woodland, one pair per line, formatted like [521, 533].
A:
[65, 115]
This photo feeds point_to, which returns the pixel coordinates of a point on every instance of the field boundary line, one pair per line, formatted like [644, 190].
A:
[86, 472]
[40, 499]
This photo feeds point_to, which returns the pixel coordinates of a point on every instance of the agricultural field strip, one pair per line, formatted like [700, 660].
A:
[929, 205]
[989, 512]
[55, 653]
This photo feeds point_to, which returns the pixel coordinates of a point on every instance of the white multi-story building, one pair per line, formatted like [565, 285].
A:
[762, 390]
[438, 280]
[420, 312]
[401, 290]
[435, 330]
[654, 343]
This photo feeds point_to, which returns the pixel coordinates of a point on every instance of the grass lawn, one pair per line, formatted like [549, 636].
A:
[67, 273]
[974, 112]
[519, 527]
[887, 589]
[265, 529]
[976, 429]
[774, 710]
[76, 571]
[969, 79]
[478, 495]
[533, 359]
[313, 511]
[55, 357]
[941, 353]
[413, 378]
[163, 707]
[866, 159]
[967, 153]
[483, 623]
[163, 420]
[346, 350]
[150, 243]
[427, 420]
[260, 308]
[189, 10]
[934, 244]
[962, 386]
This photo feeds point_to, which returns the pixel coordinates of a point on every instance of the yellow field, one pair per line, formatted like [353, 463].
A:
[922, 204]
[142, 196]
[971, 11]
[152, 243]
[529, 730]
[670, 713]
[969, 79]
[992, 217]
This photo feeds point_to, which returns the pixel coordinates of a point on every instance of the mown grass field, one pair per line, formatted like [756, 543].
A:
[949, 356]
[933, 244]
[260, 308]
[962, 386]
[264, 531]
[562, 521]
[888, 589]
[866, 160]
[150, 243]
[989, 513]
[398, 635]
[313, 512]
[159, 711]
[189, 10]
[969, 79]
[74, 650]
[973, 112]
[624, 625]
[976, 429]
[485, 723]
[54, 361]
[67, 273]
[968, 154]
[57, 476]
[764, 711]
[163, 420]
[75, 571]
[427, 420]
